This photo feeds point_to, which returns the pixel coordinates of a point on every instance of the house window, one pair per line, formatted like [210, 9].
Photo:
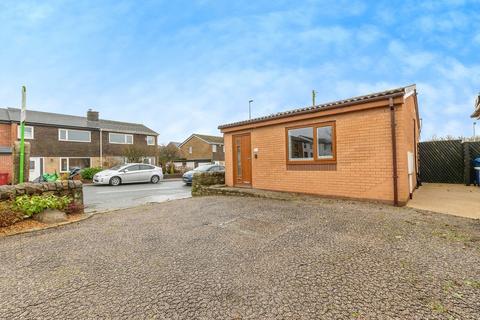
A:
[66, 164]
[151, 140]
[28, 132]
[214, 148]
[315, 143]
[74, 135]
[223, 148]
[190, 150]
[300, 144]
[325, 142]
[120, 138]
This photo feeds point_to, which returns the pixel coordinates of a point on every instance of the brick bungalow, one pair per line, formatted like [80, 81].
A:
[362, 148]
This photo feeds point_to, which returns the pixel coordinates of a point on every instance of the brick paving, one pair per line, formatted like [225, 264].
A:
[246, 258]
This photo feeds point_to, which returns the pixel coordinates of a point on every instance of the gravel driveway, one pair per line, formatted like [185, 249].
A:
[246, 258]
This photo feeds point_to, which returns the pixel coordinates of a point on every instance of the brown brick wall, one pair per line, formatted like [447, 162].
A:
[200, 149]
[364, 157]
[6, 166]
[110, 149]
[46, 144]
[6, 139]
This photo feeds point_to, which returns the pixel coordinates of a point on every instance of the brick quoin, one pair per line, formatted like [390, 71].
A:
[364, 166]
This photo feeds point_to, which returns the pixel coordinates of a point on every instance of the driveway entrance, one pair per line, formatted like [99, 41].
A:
[456, 199]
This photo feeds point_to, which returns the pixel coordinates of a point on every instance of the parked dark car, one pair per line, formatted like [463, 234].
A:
[188, 176]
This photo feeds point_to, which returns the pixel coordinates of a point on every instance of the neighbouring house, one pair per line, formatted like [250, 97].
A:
[362, 148]
[174, 144]
[60, 142]
[199, 149]
[476, 113]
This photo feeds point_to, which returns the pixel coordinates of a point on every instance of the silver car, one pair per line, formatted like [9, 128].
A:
[129, 173]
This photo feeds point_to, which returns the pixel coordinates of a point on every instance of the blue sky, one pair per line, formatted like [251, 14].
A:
[188, 66]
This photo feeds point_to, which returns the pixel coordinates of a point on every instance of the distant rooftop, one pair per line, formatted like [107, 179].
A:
[208, 139]
[57, 119]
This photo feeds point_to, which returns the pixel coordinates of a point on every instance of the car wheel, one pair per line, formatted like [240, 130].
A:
[155, 179]
[115, 181]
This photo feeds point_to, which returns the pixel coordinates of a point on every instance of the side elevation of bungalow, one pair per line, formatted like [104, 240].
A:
[361, 148]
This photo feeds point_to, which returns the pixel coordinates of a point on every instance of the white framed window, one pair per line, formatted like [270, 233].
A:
[28, 133]
[190, 149]
[120, 138]
[74, 135]
[149, 160]
[66, 164]
[214, 148]
[223, 148]
[150, 140]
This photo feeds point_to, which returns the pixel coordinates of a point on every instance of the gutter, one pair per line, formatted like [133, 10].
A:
[394, 151]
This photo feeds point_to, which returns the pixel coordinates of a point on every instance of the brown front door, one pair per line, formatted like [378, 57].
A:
[242, 160]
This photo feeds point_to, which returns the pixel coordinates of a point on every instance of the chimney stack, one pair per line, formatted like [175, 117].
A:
[92, 115]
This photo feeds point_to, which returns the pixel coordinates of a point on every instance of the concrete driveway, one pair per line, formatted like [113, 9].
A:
[246, 258]
[105, 198]
[455, 199]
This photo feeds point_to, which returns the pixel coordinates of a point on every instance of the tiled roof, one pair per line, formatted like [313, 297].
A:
[57, 119]
[329, 105]
[208, 139]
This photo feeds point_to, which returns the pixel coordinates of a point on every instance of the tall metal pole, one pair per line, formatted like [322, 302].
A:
[313, 98]
[22, 133]
[250, 109]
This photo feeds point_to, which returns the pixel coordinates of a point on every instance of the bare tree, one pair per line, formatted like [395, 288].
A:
[135, 153]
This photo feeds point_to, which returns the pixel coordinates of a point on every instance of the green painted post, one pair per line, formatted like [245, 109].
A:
[22, 134]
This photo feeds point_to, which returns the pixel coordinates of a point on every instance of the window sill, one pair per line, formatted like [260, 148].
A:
[312, 166]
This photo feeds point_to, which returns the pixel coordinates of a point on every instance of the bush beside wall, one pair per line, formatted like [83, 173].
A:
[72, 189]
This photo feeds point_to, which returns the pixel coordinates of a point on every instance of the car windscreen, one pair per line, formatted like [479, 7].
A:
[117, 167]
[202, 168]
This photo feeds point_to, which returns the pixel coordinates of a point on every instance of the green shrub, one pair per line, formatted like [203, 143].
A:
[88, 173]
[31, 205]
[9, 214]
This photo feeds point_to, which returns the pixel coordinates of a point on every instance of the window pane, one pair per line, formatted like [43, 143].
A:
[239, 159]
[134, 168]
[77, 135]
[28, 133]
[129, 139]
[300, 144]
[64, 164]
[324, 142]
[63, 134]
[214, 148]
[150, 140]
[79, 163]
[117, 138]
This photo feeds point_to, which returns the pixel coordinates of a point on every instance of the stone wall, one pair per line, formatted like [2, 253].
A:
[71, 188]
[204, 179]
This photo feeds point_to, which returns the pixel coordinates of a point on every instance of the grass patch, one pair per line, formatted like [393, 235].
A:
[438, 307]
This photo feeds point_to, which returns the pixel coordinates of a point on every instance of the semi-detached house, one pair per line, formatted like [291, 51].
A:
[60, 142]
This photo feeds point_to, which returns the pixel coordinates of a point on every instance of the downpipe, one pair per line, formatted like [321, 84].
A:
[394, 152]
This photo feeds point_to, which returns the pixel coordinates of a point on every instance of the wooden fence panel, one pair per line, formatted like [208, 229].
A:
[442, 161]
